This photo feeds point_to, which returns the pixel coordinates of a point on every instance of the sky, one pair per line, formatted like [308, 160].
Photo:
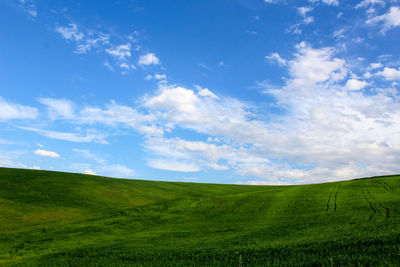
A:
[229, 91]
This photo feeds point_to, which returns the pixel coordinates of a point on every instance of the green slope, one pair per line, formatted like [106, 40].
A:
[63, 219]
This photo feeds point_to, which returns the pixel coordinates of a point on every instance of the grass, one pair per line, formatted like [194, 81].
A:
[64, 219]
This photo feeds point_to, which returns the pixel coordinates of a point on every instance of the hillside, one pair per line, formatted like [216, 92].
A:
[64, 219]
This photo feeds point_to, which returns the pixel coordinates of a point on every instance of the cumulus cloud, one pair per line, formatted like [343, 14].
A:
[10, 111]
[148, 59]
[313, 67]
[390, 74]
[388, 20]
[58, 108]
[330, 130]
[353, 84]
[328, 134]
[46, 153]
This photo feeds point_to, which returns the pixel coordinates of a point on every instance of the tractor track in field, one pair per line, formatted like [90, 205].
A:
[387, 211]
[386, 186]
[370, 205]
[329, 199]
[334, 197]
[336, 193]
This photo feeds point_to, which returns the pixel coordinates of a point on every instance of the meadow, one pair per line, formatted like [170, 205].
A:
[65, 219]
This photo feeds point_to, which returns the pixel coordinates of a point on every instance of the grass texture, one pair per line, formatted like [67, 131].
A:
[64, 219]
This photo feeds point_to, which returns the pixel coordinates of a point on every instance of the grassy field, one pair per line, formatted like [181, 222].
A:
[63, 219]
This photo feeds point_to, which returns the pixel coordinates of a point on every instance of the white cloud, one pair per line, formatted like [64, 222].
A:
[121, 51]
[89, 43]
[367, 3]
[329, 133]
[327, 2]
[390, 74]
[29, 7]
[276, 58]
[315, 66]
[148, 59]
[127, 66]
[112, 114]
[70, 33]
[46, 153]
[72, 137]
[171, 165]
[156, 77]
[303, 12]
[338, 33]
[331, 2]
[89, 155]
[375, 66]
[117, 170]
[108, 65]
[389, 20]
[10, 164]
[160, 76]
[9, 111]
[205, 92]
[353, 84]
[58, 108]
[89, 171]
[257, 182]
[5, 142]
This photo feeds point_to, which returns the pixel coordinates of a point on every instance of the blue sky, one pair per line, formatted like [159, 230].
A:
[240, 91]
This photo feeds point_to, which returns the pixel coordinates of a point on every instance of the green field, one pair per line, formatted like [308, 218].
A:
[64, 219]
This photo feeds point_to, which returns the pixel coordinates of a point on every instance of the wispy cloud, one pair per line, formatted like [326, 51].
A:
[121, 51]
[46, 153]
[276, 58]
[58, 108]
[10, 111]
[388, 20]
[117, 170]
[89, 155]
[72, 137]
[118, 56]
[368, 3]
[70, 32]
[29, 7]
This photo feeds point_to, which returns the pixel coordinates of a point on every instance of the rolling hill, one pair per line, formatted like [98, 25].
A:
[65, 219]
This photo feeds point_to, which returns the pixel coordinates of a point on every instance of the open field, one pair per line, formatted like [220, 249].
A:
[63, 219]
